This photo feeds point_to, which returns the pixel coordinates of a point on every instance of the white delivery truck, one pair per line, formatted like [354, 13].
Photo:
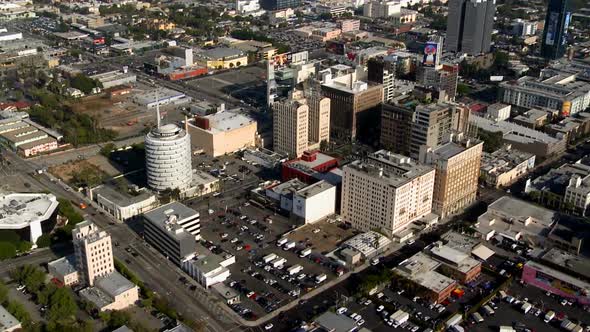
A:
[305, 252]
[268, 258]
[278, 263]
[399, 317]
[289, 245]
[549, 316]
[321, 278]
[295, 269]
[506, 329]
[454, 320]
[526, 307]
[282, 241]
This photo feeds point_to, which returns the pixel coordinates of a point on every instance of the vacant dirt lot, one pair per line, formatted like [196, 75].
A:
[94, 165]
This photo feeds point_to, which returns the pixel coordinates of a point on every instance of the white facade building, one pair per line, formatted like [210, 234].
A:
[577, 193]
[19, 211]
[168, 158]
[387, 192]
[315, 202]
[381, 8]
[499, 112]
[247, 6]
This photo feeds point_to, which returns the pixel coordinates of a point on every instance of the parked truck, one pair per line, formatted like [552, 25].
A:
[295, 269]
[278, 263]
[268, 258]
[526, 307]
[549, 316]
[321, 278]
[289, 245]
[282, 241]
[399, 317]
[305, 252]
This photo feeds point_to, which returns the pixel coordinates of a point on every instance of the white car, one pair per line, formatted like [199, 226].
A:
[268, 326]
[360, 322]
[380, 308]
[341, 310]
[315, 231]
[234, 240]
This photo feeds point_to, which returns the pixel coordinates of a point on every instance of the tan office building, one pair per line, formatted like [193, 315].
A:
[387, 192]
[93, 250]
[457, 165]
[300, 124]
[222, 133]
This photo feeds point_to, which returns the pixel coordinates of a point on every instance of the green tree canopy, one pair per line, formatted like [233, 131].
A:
[7, 250]
[62, 304]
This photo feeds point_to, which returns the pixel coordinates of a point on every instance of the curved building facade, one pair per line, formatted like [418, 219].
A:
[168, 158]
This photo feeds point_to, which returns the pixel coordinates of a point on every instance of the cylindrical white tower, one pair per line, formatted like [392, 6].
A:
[168, 158]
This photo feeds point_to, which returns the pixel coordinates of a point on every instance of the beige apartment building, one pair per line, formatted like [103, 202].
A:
[387, 192]
[93, 251]
[300, 124]
[457, 165]
[221, 133]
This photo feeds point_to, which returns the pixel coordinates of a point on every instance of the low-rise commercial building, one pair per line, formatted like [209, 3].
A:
[161, 96]
[207, 268]
[505, 166]
[515, 220]
[114, 78]
[30, 214]
[308, 166]
[265, 158]
[498, 112]
[223, 132]
[64, 270]
[456, 264]
[222, 58]
[111, 292]
[573, 128]
[420, 269]
[533, 118]
[315, 202]
[522, 138]
[565, 187]
[562, 284]
[369, 244]
[121, 205]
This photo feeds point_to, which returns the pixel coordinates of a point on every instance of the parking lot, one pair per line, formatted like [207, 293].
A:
[322, 236]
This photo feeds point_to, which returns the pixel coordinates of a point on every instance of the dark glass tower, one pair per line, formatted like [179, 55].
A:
[558, 18]
[469, 26]
[280, 4]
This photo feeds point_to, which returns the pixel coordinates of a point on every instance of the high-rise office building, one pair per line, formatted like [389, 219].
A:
[469, 26]
[93, 250]
[553, 45]
[168, 158]
[457, 165]
[396, 128]
[434, 123]
[280, 4]
[382, 72]
[387, 192]
[300, 123]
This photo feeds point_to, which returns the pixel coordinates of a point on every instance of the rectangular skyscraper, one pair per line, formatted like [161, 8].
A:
[555, 34]
[469, 26]
[94, 253]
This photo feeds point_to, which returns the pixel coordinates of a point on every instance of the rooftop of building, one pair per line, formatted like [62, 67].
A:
[225, 291]
[111, 76]
[167, 132]
[504, 159]
[568, 261]
[228, 120]
[314, 189]
[7, 321]
[18, 210]
[176, 210]
[207, 262]
[221, 53]
[121, 198]
[558, 274]
[394, 168]
[532, 116]
[161, 94]
[559, 86]
[458, 259]
[365, 242]
[557, 179]
[519, 209]
[512, 131]
[65, 265]
[113, 284]
[288, 187]
[309, 161]
[420, 268]
[330, 321]
[93, 294]
[268, 156]
[201, 177]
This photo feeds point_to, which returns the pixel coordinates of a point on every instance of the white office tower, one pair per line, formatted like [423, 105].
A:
[168, 158]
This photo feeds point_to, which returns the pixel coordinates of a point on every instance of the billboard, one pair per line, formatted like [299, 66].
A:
[552, 26]
[566, 24]
[430, 58]
[566, 108]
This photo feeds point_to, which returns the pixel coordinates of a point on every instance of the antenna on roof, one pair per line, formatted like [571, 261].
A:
[158, 106]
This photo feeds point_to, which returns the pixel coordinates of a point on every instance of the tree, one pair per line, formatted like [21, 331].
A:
[7, 250]
[24, 246]
[463, 89]
[324, 145]
[44, 241]
[491, 141]
[62, 304]
[118, 318]
[19, 311]
[3, 292]
[83, 83]
[107, 149]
